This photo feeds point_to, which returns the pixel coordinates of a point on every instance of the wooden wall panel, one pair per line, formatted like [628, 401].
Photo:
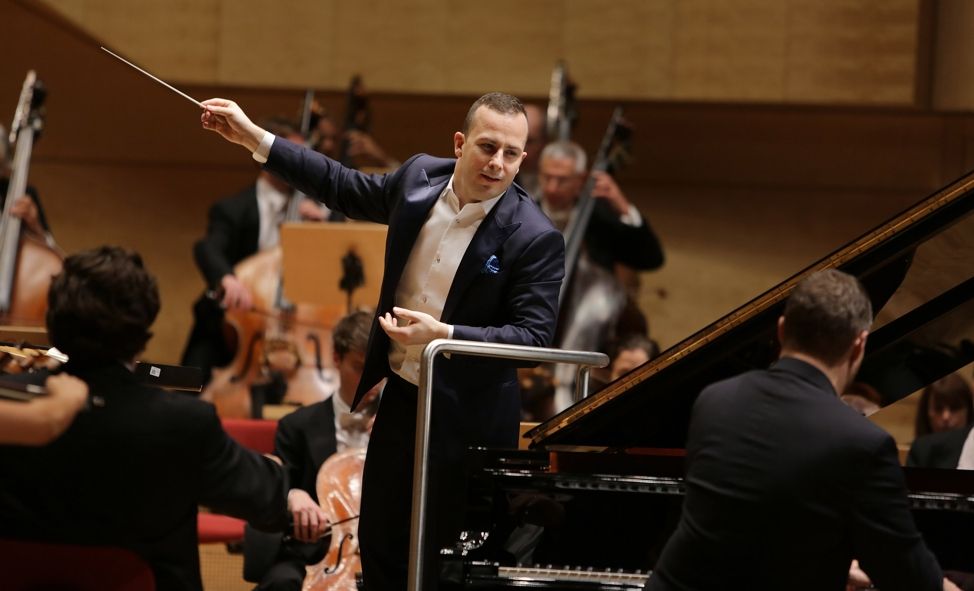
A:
[176, 39]
[792, 51]
[730, 49]
[276, 44]
[848, 51]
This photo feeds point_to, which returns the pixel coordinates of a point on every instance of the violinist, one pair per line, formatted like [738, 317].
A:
[140, 460]
[239, 226]
[26, 207]
[305, 439]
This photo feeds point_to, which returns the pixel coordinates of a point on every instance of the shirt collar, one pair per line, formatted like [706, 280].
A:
[481, 206]
[270, 196]
[339, 405]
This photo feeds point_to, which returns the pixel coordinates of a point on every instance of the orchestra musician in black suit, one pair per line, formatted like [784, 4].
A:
[239, 226]
[132, 468]
[786, 485]
[305, 439]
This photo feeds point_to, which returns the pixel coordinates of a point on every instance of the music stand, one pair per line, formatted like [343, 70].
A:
[322, 262]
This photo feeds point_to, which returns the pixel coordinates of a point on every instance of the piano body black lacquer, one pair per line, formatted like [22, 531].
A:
[592, 503]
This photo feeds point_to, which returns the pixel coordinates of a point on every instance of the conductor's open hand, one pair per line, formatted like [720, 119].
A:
[228, 119]
[409, 327]
[310, 520]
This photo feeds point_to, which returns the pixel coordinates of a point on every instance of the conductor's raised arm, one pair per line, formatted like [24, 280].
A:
[228, 119]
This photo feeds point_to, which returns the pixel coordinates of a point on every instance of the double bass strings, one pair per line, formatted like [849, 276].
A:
[169, 86]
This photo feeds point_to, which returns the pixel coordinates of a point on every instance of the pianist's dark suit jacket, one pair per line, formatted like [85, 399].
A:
[785, 486]
[131, 471]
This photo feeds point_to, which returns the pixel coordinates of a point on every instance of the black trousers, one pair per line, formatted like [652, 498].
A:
[384, 526]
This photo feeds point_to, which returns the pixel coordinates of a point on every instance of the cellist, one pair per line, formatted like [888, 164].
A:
[239, 226]
[305, 439]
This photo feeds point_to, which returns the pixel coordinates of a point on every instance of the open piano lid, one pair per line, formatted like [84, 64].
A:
[919, 271]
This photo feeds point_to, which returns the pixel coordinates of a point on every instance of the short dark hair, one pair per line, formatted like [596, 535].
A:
[101, 305]
[825, 314]
[499, 102]
[351, 334]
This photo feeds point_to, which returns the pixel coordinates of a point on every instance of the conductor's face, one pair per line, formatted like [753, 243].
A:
[488, 155]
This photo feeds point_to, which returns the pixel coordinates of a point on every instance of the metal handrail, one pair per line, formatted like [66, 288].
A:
[584, 359]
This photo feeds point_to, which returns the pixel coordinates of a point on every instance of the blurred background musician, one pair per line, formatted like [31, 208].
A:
[305, 439]
[140, 460]
[618, 241]
[28, 255]
[26, 207]
[239, 227]
[945, 415]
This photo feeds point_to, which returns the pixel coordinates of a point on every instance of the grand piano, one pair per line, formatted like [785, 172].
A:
[592, 502]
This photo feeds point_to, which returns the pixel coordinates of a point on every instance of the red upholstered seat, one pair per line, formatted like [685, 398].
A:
[255, 434]
[212, 528]
[35, 565]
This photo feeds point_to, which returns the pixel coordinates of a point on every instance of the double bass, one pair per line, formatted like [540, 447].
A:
[27, 263]
[280, 345]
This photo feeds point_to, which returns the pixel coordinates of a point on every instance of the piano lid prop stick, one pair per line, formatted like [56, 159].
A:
[170, 87]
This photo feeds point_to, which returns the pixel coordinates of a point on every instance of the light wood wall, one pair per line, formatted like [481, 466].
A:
[782, 51]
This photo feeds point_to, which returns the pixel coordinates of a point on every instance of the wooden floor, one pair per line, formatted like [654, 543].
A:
[221, 570]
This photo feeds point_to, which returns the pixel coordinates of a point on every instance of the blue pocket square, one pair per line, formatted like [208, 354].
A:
[492, 266]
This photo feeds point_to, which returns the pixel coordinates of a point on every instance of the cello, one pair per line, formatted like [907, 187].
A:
[339, 490]
[27, 263]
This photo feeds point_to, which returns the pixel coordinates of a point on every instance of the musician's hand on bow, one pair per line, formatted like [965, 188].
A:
[409, 327]
[228, 119]
[605, 187]
[25, 209]
[236, 296]
[310, 520]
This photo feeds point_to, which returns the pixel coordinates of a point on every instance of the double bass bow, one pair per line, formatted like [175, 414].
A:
[27, 263]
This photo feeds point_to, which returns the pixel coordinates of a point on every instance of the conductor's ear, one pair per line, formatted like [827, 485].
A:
[458, 140]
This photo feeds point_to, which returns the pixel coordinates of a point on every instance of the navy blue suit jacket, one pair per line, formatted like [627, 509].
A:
[517, 304]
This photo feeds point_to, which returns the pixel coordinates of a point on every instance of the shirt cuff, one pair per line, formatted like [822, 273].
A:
[264, 147]
[449, 331]
[631, 217]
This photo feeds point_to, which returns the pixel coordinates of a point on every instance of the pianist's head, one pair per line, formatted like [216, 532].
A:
[826, 322]
[101, 305]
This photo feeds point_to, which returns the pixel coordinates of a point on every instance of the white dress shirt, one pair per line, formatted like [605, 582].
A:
[432, 263]
[350, 427]
[431, 267]
[271, 205]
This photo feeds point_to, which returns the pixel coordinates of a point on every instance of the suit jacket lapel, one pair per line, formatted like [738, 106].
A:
[322, 442]
[491, 234]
